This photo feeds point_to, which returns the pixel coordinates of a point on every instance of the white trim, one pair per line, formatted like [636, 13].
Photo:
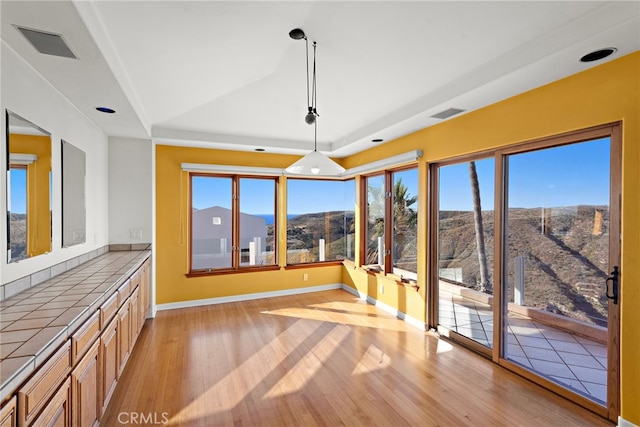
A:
[248, 170]
[22, 158]
[624, 423]
[389, 162]
[399, 314]
[246, 297]
[272, 294]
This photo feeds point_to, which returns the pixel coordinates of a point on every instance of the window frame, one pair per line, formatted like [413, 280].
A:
[356, 219]
[387, 269]
[236, 266]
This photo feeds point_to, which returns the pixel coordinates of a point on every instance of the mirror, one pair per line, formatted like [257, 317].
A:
[73, 195]
[28, 170]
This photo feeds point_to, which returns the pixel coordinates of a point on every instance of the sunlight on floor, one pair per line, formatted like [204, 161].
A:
[298, 376]
[372, 360]
[217, 400]
[367, 320]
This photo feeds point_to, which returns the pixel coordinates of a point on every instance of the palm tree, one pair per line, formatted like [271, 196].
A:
[485, 283]
[404, 220]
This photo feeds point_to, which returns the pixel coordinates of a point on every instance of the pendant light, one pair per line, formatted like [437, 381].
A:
[314, 163]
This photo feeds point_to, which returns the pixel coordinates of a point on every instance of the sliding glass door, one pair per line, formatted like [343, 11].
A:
[557, 257]
[465, 250]
[526, 268]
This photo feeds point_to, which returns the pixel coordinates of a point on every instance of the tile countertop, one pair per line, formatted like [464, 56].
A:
[34, 323]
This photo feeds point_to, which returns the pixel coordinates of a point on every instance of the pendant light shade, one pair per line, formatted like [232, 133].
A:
[315, 163]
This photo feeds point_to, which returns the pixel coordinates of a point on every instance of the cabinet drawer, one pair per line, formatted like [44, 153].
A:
[108, 309]
[35, 393]
[8, 414]
[124, 291]
[57, 411]
[135, 278]
[86, 335]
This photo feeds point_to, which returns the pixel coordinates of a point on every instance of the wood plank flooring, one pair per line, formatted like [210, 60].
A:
[320, 359]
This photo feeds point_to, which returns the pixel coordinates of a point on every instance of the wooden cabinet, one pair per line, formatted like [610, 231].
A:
[35, 393]
[57, 411]
[108, 309]
[145, 293]
[85, 390]
[74, 386]
[124, 335]
[8, 416]
[134, 307]
[84, 337]
[109, 363]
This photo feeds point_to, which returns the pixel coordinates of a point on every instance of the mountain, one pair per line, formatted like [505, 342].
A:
[565, 252]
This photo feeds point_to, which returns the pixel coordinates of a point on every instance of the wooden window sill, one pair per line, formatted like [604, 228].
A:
[203, 273]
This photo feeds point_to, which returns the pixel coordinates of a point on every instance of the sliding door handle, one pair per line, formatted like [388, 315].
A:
[613, 286]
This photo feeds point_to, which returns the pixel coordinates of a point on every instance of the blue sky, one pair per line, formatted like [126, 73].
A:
[561, 176]
[19, 191]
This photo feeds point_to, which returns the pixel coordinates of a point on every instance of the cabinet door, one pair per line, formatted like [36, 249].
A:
[108, 362]
[37, 391]
[85, 390]
[124, 336]
[8, 414]
[57, 412]
[134, 307]
[146, 288]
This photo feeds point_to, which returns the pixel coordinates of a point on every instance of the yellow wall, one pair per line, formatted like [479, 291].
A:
[172, 233]
[38, 206]
[604, 94]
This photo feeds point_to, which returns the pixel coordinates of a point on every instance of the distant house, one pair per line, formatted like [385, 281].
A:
[211, 244]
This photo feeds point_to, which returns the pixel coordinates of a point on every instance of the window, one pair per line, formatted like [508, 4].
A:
[18, 201]
[392, 221]
[320, 220]
[233, 222]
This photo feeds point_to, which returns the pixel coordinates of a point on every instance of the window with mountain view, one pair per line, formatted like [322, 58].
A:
[405, 223]
[391, 241]
[375, 229]
[320, 220]
[233, 222]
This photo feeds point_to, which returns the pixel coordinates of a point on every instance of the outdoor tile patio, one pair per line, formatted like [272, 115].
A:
[578, 363]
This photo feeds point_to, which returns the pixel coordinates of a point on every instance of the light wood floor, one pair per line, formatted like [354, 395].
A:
[325, 358]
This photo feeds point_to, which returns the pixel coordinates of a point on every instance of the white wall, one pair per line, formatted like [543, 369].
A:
[130, 190]
[27, 94]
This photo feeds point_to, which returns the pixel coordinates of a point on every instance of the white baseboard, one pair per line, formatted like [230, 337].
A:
[399, 314]
[624, 423]
[246, 297]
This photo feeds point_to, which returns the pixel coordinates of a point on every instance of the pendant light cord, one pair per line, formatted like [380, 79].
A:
[314, 92]
[306, 42]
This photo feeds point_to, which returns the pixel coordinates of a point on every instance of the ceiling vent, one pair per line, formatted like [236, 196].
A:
[47, 43]
[447, 113]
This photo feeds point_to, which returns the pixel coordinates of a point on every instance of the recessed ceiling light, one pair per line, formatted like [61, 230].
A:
[377, 140]
[106, 110]
[598, 54]
[260, 149]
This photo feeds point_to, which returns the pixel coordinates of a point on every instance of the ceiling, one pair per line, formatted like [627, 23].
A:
[227, 75]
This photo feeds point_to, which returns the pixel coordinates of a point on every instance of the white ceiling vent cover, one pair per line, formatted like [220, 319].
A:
[447, 113]
[47, 43]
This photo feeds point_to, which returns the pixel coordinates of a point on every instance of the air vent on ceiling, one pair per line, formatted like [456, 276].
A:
[447, 113]
[47, 43]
